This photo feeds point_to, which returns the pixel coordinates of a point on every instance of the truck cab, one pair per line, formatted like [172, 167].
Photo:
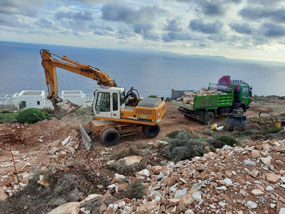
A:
[242, 94]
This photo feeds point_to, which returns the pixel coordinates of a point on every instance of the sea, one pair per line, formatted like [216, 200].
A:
[150, 72]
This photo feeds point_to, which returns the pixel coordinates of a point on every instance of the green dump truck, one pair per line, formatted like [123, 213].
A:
[220, 98]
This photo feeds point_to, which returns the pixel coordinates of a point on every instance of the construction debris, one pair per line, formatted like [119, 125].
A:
[188, 97]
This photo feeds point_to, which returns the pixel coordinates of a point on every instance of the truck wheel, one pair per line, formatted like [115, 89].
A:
[209, 118]
[151, 131]
[110, 137]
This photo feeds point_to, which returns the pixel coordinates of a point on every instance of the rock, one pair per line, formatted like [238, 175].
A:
[269, 188]
[255, 153]
[249, 162]
[118, 178]
[221, 188]
[197, 196]
[181, 193]
[282, 211]
[251, 205]
[257, 192]
[65, 141]
[228, 182]
[189, 211]
[266, 147]
[148, 207]
[53, 150]
[122, 187]
[89, 199]
[43, 182]
[222, 204]
[156, 170]
[3, 196]
[100, 186]
[144, 172]
[283, 179]
[71, 149]
[130, 160]
[253, 173]
[68, 208]
[271, 177]
[186, 200]
[174, 201]
[265, 161]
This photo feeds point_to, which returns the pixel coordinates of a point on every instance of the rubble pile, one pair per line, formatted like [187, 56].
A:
[188, 97]
[243, 179]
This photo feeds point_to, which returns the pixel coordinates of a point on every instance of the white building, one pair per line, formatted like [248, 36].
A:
[76, 97]
[30, 99]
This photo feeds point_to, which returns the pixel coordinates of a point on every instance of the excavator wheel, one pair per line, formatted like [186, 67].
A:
[103, 130]
[151, 131]
[110, 136]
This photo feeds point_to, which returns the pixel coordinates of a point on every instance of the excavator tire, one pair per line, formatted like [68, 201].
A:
[151, 131]
[103, 130]
[110, 137]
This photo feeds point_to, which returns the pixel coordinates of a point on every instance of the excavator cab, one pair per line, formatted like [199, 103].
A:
[108, 102]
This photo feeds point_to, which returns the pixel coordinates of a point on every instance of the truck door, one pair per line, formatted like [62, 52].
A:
[115, 105]
[245, 95]
[103, 104]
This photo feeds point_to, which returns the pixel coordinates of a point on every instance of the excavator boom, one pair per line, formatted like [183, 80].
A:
[49, 63]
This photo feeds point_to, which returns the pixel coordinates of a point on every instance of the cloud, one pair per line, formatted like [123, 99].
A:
[103, 30]
[241, 28]
[172, 25]
[256, 13]
[208, 28]
[146, 30]
[121, 13]
[175, 36]
[23, 7]
[273, 30]
[86, 15]
[12, 21]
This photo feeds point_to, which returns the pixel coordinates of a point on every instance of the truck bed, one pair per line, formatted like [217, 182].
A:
[208, 102]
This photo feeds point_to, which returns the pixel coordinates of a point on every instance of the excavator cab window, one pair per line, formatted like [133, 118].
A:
[122, 98]
[115, 102]
[103, 102]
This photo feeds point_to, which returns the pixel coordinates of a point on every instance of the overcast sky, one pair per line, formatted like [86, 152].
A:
[248, 29]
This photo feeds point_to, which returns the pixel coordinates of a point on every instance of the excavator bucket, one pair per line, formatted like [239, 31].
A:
[64, 108]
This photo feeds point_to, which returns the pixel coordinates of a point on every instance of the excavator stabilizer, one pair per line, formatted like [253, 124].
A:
[64, 108]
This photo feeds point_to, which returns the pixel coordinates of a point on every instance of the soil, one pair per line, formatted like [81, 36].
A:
[31, 145]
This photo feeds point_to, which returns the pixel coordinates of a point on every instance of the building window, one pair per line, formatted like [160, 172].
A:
[38, 102]
[22, 105]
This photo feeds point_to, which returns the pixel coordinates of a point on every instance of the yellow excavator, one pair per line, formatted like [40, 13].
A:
[116, 113]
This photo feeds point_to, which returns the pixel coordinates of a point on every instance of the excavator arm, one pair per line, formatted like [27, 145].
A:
[50, 64]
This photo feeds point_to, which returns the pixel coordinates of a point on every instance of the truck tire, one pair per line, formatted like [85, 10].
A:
[209, 118]
[110, 136]
[151, 131]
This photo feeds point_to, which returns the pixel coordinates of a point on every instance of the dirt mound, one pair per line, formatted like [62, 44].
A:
[73, 185]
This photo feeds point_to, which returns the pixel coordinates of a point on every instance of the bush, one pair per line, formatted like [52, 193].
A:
[126, 151]
[48, 113]
[229, 140]
[273, 130]
[152, 96]
[135, 190]
[30, 116]
[167, 99]
[172, 134]
[7, 117]
[184, 146]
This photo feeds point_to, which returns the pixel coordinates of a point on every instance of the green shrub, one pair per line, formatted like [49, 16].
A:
[167, 99]
[152, 96]
[7, 117]
[6, 112]
[273, 130]
[48, 113]
[172, 134]
[135, 190]
[229, 140]
[30, 116]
